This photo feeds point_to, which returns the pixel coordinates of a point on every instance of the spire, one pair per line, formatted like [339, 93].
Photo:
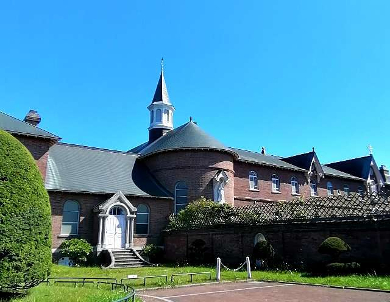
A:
[161, 93]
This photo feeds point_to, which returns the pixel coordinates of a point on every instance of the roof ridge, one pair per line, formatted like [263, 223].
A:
[259, 153]
[97, 148]
[353, 158]
[19, 120]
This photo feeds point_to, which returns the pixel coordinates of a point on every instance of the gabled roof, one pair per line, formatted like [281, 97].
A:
[161, 93]
[76, 168]
[16, 126]
[262, 159]
[303, 161]
[359, 167]
[185, 137]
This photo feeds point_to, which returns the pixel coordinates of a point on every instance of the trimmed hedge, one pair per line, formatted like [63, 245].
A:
[25, 218]
[263, 250]
[77, 250]
[333, 246]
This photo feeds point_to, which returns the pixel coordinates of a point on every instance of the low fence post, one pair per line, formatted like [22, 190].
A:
[218, 269]
[248, 267]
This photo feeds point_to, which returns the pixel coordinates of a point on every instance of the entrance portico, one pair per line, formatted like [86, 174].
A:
[116, 223]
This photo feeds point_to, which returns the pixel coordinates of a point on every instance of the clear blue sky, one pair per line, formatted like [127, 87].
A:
[287, 75]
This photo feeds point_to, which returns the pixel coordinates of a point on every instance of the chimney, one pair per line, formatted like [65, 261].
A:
[263, 150]
[32, 118]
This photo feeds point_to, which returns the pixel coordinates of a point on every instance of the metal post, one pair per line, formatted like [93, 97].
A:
[248, 267]
[218, 269]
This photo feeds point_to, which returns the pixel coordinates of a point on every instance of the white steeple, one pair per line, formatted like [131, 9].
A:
[161, 110]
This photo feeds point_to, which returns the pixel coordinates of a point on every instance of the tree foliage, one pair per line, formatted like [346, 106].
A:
[77, 250]
[25, 219]
[263, 250]
[333, 246]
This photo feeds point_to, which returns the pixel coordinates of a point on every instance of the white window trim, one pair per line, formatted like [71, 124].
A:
[70, 222]
[253, 181]
[329, 188]
[313, 193]
[274, 188]
[294, 186]
[143, 223]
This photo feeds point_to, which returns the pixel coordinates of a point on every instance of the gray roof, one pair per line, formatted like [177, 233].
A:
[262, 159]
[15, 126]
[187, 136]
[333, 172]
[76, 168]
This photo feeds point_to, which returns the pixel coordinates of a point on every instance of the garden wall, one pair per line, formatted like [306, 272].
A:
[294, 243]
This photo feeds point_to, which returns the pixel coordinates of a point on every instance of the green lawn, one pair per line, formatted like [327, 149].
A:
[90, 293]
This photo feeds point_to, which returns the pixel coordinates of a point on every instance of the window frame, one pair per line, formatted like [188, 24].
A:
[346, 190]
[275, 188]
[329, 188]
[147, 214]
[313, 189]
[253, 181]
[77, 223]
[184, 188]
[294, 185]
[158, 116]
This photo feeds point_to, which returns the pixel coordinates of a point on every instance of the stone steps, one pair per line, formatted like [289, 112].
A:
[126, 258]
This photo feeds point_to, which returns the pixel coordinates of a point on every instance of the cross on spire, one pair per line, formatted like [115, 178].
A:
[370, 148]
[162, 64]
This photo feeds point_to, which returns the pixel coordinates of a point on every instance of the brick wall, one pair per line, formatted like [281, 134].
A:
[296, 244]
[39, 148]
[244, 196]
[160, 210]
[196, 168]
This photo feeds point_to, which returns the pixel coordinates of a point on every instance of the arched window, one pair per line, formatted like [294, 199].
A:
[294, 185]
[253, 183]
[158, 115]
[275, 183]
[142, 220]
[329, 187]
[259, 237]
[313, 188]
[151, 116]
[346, 190]
[181, 200]
[166, 113]
[373, 181]
[117, 211]
[70, 218]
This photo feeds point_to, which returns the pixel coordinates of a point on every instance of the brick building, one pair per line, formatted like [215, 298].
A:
[122, 200]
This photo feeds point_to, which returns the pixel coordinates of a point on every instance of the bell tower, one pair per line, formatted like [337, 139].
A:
[161, 110]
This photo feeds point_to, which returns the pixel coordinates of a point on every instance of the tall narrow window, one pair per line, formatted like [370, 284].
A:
[275, 183]
[166, 113]
[294, 186]
[181, 200]
[142, 220]
[346, 190]
[313, 188]
[151, 116]
[158, 115]
[253, 183]
[373, 182]
[360, 191]
[70, 218]
[329, 187]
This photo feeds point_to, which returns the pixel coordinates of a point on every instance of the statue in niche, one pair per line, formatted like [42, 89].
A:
[219, 182]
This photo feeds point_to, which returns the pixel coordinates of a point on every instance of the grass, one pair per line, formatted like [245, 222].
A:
[90, 293]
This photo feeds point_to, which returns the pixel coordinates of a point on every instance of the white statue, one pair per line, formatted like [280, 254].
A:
[219, 182]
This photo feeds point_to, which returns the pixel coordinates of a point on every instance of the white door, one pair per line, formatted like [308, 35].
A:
[115, 231]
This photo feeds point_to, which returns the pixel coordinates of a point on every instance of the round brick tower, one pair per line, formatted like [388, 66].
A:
[188, 161]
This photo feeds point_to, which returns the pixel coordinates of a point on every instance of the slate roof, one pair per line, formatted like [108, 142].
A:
[16, 126]
[185, 137]
[76, 168]
[333, 172]
[359, 167]
[301, 160]
[268, 160]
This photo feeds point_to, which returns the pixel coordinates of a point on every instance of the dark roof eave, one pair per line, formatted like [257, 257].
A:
[270, 165]
[105, 193]
[54, 137]
[234, 154]
[345, 177]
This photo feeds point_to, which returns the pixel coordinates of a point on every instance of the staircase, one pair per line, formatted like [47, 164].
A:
[127, 258]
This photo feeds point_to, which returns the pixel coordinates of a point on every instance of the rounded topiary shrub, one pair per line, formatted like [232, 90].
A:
[334, 246]
[77, 250]
[25, 219]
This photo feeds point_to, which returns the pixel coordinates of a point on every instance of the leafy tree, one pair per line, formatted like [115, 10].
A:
[334, 246]
[25, 219]
[263, 250]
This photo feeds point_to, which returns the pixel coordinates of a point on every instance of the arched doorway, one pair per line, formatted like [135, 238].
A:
[115, 231]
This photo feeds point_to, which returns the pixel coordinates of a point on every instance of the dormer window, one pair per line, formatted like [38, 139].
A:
[275, 183]
[253, 182]
[294, 186]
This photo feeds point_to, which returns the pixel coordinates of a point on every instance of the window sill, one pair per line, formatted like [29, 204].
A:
[276, 192]
[254, 190]
[295, 194]
[314, 196]
[68, 236]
